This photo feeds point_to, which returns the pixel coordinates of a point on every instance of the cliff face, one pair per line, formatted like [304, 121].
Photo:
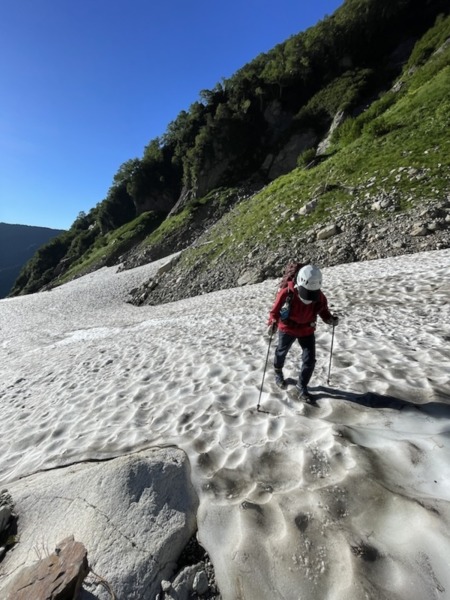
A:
[18, 243]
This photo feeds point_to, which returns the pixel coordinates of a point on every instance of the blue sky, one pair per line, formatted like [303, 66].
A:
[87, 84]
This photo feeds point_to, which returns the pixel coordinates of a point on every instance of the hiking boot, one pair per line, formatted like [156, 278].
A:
[279, 379]
[304, 395]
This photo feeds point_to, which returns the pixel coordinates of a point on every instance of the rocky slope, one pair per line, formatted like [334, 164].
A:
[346, 238]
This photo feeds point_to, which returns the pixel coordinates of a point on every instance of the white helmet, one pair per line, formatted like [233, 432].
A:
[309, 282]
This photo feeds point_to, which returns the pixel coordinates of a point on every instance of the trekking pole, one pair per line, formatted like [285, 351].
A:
[331, 354]
[264, 372]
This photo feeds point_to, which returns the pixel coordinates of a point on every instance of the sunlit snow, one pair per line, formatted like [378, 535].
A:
[347, 500]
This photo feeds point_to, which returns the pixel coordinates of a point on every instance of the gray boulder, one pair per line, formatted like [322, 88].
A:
[133, 514]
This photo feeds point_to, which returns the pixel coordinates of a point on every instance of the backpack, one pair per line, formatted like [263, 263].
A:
[290, 274]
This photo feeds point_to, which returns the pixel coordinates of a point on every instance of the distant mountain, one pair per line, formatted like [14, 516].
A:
[18, 243]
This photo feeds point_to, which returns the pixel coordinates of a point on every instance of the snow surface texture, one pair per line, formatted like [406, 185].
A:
[349, 500]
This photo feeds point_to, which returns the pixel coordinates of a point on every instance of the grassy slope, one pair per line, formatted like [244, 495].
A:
[111, 245]
[408, 129]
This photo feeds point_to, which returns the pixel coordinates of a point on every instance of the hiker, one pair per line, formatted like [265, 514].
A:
[294, 313]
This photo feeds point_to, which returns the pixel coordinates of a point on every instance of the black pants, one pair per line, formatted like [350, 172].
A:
[308, 345]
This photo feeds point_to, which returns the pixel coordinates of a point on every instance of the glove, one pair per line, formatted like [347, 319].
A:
[334, 320]
[272, 327]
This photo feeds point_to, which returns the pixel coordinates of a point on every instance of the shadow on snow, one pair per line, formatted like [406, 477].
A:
[437, 410]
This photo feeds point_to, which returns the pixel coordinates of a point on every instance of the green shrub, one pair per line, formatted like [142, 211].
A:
[306, 157]
[378, 127]
[348, 132]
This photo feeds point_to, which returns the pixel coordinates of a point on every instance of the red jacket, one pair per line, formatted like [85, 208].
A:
[302, 318]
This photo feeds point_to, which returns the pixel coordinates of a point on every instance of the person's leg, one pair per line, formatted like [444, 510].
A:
[285, 342]
[308, 345]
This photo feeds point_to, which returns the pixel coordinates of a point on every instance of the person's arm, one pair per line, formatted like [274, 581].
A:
[274, 315]
[324, 313]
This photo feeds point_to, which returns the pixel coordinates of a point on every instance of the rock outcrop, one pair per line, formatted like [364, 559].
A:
[134, 515]
[55, 577]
